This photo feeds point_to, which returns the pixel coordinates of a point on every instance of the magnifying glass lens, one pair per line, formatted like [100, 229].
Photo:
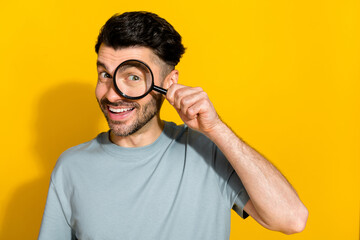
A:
[133, 79]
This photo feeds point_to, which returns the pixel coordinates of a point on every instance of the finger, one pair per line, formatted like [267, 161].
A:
[189, 100]
[198, 108]
[170, 95]
[182, 93]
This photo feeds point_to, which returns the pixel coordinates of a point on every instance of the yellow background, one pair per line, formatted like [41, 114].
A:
[283, 74]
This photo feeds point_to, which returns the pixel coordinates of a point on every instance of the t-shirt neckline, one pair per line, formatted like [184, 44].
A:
[135, 153]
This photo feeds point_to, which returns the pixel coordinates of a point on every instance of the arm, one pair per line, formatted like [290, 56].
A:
[273, 202]
[54, 224]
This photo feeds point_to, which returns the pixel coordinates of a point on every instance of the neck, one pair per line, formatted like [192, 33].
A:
[144, 136]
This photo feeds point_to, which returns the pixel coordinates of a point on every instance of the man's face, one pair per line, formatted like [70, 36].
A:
[125, 116]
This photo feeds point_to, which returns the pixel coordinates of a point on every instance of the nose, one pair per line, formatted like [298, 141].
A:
[112, 95]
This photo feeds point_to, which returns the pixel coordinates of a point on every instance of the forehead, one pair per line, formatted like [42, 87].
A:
[111, 57]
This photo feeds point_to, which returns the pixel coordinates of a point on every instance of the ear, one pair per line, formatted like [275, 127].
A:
[171, 78]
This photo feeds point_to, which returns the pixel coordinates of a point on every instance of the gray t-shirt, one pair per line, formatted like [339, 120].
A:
[179, 187]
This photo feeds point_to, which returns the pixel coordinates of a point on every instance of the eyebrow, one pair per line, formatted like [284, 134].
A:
[100, 64]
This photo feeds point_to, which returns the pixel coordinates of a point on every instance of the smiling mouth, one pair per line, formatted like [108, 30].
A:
[120, 110]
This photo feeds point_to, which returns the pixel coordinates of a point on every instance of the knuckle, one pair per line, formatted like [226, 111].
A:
[190, 112]
[199, 89]
[183, 101]
[204, 94]
[204, 103]
[177, 94]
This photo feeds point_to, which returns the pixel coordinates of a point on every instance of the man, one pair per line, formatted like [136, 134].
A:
[150, 179]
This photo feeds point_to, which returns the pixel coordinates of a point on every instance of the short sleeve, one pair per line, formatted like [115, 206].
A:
[54, 224]
[231, 187]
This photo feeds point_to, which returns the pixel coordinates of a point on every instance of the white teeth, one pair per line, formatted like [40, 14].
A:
[120, 110]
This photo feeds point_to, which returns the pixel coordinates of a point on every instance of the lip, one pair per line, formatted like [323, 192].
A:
[121, 116]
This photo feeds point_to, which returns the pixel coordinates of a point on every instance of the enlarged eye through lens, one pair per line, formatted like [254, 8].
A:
[134, 79]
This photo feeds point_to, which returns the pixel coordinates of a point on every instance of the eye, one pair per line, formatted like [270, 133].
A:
[134, 78]
[105, 75]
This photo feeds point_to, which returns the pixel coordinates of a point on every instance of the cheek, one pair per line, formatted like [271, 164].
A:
[100, 91]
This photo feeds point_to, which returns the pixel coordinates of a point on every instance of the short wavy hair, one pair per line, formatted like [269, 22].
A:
[144, 29]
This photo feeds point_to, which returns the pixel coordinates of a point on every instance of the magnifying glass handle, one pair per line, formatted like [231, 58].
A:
[160, 89]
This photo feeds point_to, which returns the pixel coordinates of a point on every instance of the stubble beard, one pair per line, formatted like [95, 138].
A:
[149, 111]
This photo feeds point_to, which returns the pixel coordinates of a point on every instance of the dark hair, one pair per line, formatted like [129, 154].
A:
[142, 29]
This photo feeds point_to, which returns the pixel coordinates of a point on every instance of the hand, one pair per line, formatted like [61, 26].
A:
[194, 107]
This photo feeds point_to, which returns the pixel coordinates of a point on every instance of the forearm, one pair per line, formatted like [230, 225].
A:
[274, 199]
[274, 203]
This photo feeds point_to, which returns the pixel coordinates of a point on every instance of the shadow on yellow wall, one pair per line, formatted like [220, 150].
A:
[67, 116]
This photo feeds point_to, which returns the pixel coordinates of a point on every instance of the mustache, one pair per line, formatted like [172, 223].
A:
[123, 103]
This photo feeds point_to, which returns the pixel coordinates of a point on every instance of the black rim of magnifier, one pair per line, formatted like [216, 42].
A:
[152, 87]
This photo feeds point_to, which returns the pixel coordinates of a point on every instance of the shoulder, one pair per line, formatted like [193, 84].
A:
[74, 157]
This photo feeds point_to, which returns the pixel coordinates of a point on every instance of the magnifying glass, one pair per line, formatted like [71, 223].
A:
[133, 79]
